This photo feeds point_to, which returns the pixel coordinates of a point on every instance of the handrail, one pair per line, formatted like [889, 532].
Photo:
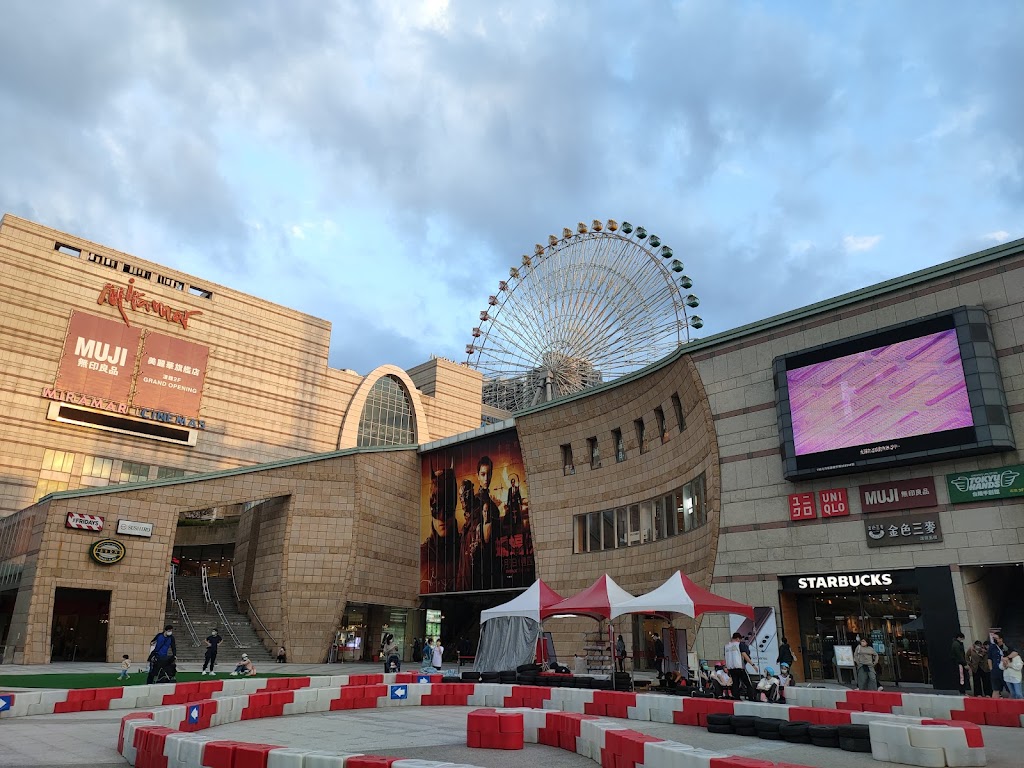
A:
[249, 609]
[206, 587]
[188, 623]
[234, 586]
[227, 625]
[171, 588]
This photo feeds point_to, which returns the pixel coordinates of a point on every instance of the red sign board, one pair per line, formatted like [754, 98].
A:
[834, 502]
[171, 375]
[98, 358]
[898, 494]
[801, 506]
[84, 522]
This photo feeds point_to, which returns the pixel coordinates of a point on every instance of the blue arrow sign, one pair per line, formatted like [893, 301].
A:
[399, 692]
[423, 679]
[193, 715]
[6, 702]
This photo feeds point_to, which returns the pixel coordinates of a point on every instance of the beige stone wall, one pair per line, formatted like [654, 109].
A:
[269, 393]
[759, 543]
[449, 387]
[556, 497]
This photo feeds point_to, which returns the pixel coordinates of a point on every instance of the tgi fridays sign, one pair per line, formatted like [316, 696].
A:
[1002, 483]
[83, 522]
[898, 494]
[908, 528]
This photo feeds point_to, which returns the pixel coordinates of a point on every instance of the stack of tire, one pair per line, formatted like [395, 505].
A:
[851, 738]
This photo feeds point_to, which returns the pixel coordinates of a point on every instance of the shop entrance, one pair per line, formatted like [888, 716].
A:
[79, 628]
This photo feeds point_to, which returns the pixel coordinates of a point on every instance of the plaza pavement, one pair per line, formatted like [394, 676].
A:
[88, 739]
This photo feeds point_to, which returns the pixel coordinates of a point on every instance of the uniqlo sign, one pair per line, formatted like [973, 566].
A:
[801, 506]
[834, 502]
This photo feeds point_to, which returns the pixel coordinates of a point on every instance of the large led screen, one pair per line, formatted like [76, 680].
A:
[475, 517]
[920, 391]
[913, 387]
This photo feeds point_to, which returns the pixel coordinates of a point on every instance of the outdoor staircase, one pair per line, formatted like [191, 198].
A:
[204, 618]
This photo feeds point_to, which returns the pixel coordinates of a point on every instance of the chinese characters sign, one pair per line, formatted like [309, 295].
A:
[834, 503]
[898, 494]
[1001, 483]
[171, 374]
[98, 358]
[894, 530]
[801, 506]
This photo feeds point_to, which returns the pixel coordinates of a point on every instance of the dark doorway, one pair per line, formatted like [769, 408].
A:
[7, 601]
[79, 629]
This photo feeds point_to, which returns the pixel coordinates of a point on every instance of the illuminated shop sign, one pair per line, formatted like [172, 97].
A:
[898, 494]
[130, 298]
[100, 404]
[845, 581]
[1001, 483]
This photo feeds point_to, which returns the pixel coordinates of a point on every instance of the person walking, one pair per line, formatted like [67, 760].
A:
[126, 664]
[736, 664]
[161, 648]
[213, 641]
[960, 659]
[785, 654]
[977, 660]
[438, 655]
[864, 660]
[659, 655]
[428, 656]
[620, 653]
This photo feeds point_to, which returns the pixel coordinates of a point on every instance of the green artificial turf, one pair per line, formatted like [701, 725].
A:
[105, 680]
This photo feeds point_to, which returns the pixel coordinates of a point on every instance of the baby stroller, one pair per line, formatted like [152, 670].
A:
[165, 670]
[394, 663]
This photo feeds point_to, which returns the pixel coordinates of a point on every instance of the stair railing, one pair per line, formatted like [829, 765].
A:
[170, 587]
[206, 587]
[227, 625]
[188, 623]
[249, 610]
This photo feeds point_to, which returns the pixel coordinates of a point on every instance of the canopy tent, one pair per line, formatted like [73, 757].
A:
[529, 604]
[598, 601]
[680, 595]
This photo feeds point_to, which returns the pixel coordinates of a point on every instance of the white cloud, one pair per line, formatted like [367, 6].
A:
[999, 236]
[856, 243]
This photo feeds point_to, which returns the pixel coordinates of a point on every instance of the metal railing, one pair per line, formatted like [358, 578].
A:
[170, 587]
[188, 623]
[250, 611]
[206, 587]
[227, 625]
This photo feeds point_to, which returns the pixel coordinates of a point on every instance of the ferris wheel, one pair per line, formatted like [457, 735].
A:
[589, 307]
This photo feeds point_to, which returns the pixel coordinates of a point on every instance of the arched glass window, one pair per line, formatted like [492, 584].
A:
[387, 416]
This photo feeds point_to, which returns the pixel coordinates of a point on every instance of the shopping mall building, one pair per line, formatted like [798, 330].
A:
[849, 469]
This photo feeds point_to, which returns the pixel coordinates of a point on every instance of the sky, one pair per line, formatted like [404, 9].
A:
[382, 164]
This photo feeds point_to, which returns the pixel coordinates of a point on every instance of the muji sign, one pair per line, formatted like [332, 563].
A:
[834, 502]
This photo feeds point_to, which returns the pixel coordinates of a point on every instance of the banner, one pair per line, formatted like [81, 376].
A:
[475, 517]
[98, 358]
[171, 375]
[1001, 483]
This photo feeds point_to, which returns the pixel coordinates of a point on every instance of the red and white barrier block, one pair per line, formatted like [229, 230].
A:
[931, 743]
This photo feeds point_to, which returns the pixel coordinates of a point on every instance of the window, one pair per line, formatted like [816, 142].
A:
[646, 526]
[95, 466]
[46, 487]
[568, 468]
[170, 282]
[677, 406]
[608, 528]
[387, 415]
[641, 444]
[202, 293]
[58, 461]
[68, 250]
[670, 515]
[620, 446]
[693, 509]
[106, 261]
[660, 528]
[634, 524]
[581, 533]
[136, 271]
[595, 453]
[659, 417]
[594, 524]
[166, 473]
[622, 529]
[132, 472]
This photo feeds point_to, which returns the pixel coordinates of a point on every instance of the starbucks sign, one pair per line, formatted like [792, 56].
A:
[1001, 483]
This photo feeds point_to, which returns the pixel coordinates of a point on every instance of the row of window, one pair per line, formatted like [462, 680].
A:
[673, 514]
[56, 471]
[145, 274]
[594, 450]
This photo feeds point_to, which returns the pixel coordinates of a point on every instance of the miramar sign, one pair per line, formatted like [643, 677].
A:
[102, 404]
[135, 300]
[1000, 483]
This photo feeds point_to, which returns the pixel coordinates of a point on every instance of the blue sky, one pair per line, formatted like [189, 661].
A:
[382, 165]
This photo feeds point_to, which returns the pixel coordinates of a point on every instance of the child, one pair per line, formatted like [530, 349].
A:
[126, 664]
[784, 679]
[721, 682]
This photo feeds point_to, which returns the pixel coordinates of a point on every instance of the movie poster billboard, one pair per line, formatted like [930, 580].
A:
[171, 375]
[98, 358]
[475, 517]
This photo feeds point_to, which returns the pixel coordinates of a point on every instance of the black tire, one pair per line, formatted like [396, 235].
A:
[506, 677]
[854, 745]
[745, 732]
[720, 729]
[719, 718]
[471, 677]
[795, 732]
[854, 731]
[742, 721]
[825, 742]
[769, 725]
[824, 735]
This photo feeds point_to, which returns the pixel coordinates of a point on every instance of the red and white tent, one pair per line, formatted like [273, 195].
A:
[598, 601]
[530, 603]
[680, 595]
